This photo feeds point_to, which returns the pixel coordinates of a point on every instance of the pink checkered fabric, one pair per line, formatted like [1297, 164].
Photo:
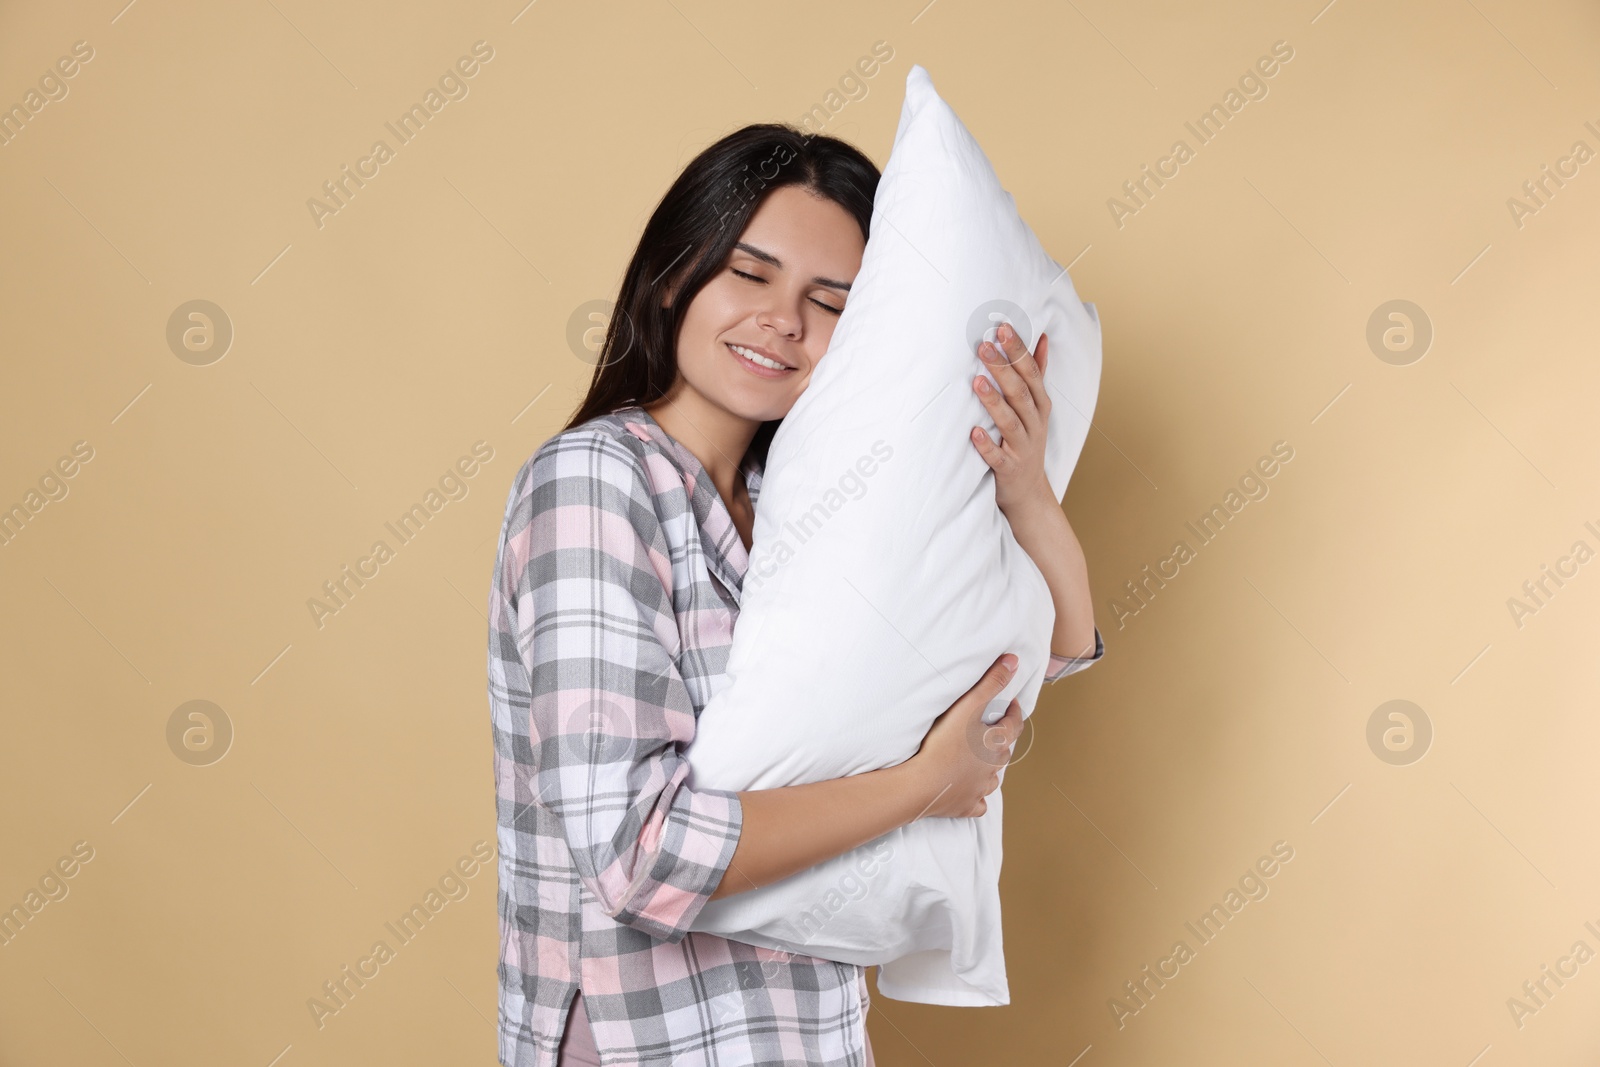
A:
[615, 591]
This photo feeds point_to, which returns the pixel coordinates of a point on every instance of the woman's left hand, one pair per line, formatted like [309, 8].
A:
[1021, 411]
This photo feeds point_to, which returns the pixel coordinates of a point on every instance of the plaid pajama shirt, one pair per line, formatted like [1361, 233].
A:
[615, 590]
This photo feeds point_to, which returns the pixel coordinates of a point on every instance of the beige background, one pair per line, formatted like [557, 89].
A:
[432, 312]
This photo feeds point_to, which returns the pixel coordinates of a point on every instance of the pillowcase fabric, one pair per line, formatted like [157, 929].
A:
[884, 580]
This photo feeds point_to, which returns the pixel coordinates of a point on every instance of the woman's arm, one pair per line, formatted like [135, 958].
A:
[1021, 411]
[794, 827]
[581, 617]
[1042, 529]
[596, 715]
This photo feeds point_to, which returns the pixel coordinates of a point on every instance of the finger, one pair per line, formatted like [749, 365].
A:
[1018, 358]
[994, 679]
[999, 407]
[992, 453]
[1008, 358]
[996, 747]
[1019, 722]
[1029, 368]
[1011, 723]
[1004, 667]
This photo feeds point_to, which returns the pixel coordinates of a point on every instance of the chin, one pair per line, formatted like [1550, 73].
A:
[760, 408]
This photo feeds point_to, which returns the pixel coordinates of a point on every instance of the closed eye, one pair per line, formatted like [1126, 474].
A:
[763, 281]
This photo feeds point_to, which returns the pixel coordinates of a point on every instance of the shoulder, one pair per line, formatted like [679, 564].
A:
[582, 504]
[598, 483]
[593, 462]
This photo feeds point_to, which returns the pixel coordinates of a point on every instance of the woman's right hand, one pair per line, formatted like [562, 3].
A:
[960, 760]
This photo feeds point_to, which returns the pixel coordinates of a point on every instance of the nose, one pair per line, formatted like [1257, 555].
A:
[781, 316]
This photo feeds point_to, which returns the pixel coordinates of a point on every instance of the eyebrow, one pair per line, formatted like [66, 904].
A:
[768, 257]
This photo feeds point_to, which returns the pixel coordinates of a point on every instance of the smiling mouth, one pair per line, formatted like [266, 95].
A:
[757, 358]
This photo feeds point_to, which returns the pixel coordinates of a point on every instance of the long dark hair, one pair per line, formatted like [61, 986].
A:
[692, 231]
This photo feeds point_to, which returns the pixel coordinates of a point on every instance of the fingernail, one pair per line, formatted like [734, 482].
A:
[1009, 662]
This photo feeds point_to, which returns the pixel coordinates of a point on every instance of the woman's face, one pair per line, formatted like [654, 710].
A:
[780, 294]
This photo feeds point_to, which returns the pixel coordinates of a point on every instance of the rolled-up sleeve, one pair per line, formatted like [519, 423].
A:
[584, 593]
[1061, 666]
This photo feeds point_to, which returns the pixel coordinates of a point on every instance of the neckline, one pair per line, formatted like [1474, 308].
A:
[710, 510]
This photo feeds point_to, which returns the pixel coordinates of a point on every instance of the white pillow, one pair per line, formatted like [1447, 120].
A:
[884, 580]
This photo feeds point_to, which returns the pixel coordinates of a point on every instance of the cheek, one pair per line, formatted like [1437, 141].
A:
[824, 330]
[718, 300]
[697, 331]
[713, 311]
[821, 338]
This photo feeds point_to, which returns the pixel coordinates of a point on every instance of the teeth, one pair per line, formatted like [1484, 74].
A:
[757, 358]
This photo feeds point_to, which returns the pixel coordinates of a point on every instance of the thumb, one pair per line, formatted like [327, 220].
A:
[1001, 673]
[983, 692]
[991, 741]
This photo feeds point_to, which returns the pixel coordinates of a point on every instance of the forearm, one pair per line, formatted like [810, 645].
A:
[794, 827]
[1042, 529]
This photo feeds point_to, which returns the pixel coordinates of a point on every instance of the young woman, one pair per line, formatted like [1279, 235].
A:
[616, 590]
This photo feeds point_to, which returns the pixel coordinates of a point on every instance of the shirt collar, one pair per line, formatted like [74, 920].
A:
[726, 555]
